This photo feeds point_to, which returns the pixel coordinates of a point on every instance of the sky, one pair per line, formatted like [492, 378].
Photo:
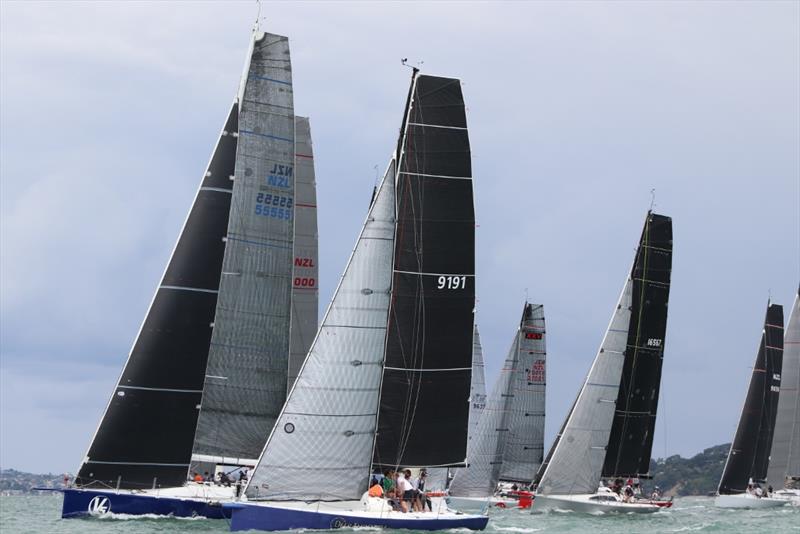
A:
[576, 110]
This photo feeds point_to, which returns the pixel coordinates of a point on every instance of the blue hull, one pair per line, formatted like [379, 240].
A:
[255, 517]
[82, 502]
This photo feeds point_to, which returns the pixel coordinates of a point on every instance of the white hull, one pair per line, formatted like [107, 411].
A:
[588, 504]
[791, 495]
[479, 504]
[745, 500]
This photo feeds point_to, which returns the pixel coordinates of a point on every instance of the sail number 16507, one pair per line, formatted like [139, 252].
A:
[452, 282]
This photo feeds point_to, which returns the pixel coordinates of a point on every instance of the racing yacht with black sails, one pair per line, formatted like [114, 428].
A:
[608, 433]
[394, 350]
[209, 370]
[749, 455]
[508, 443]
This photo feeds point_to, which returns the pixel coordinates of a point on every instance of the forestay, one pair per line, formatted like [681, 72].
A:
[305, 289]
[429, 343]
[321, 446]
[245, 383]
[749, 453]
[138, 443]
[524, 446]
[785, 456]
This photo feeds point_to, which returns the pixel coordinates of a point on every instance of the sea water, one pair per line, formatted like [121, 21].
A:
[41, 513]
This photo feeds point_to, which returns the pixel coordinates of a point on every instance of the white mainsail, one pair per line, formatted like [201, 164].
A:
[245, 383]
[785, 453]
[577, 462]
[305, 278]
[321, 448]
[525, 439]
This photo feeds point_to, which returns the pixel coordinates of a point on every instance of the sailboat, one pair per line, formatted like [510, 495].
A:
[608, 433]
[784, 464]
[394, 350]
[749, 455]
[211, 364]
[508, 444]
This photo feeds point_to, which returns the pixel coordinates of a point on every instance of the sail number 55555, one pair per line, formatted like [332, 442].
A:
[452, 282]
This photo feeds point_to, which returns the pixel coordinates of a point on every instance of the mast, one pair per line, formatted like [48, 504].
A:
[246, 375]
[749, 453]
[784, 464]
[138, 444]
[525, 439]
[305, 289]
[428, 361]
[576, 462]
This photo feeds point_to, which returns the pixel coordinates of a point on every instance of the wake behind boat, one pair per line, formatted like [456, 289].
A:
[394, 350]
[210, 368]
[608, 433]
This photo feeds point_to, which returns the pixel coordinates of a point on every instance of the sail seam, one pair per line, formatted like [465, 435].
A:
[170, 390]
[437, 126]
[436, 175]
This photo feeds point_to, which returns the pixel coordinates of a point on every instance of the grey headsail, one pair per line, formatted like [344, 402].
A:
[488, 442]
[138, 443]
[305, 289]
[321, 446]
[784, 463]
[477, 396]
[576, 463]
[524, 447]
[429, 339]
[748, 457]
[245, 381]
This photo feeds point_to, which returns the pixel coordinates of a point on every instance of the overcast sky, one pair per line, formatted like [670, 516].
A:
[576, 111]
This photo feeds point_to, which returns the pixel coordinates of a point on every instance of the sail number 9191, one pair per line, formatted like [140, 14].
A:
[452, 282]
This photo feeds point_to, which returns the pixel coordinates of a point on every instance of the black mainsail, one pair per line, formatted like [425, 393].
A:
[631, 441]
[748, 457]
[428, 358]
[139, 443]
[609, 428]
